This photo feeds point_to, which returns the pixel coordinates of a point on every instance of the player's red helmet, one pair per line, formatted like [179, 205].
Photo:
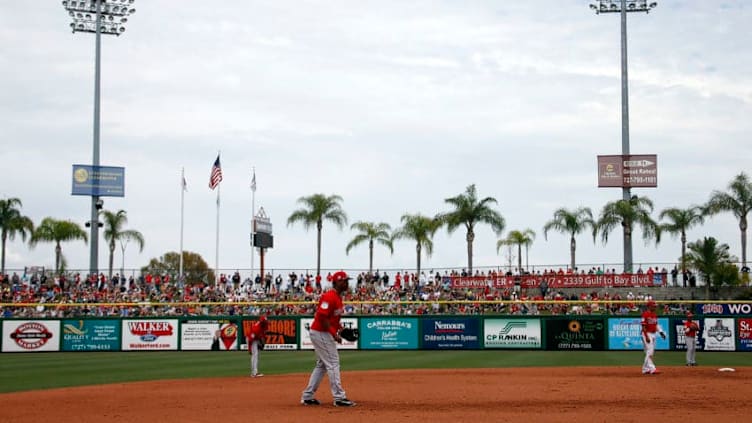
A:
[651, 304]
[340, 276]
[263, 320]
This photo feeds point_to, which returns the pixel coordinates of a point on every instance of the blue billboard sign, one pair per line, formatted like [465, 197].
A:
[101, 181]
[626, 334]
[451, 334]
[91, 335]
[388, 333]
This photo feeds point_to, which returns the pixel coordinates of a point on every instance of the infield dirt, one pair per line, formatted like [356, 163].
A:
[572, 394]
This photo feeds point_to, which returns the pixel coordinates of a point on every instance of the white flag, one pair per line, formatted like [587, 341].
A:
[253, 181]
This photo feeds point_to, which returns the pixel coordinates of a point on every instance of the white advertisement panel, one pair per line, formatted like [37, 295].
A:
[31, 335]
[512, 333]
[305, 335]
[150, 335]
[719, 334]
[205, 335]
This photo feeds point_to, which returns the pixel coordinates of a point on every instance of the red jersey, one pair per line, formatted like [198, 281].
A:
[330, 309]
[690, 328]
[649, 322]
[258, 332]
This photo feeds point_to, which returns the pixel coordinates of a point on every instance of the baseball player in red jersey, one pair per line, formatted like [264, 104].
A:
[325, 337]
[650, 327]
[256, 341]
[690, 336]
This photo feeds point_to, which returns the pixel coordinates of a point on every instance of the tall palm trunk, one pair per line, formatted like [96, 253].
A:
[519, 258]
[2, 263]
[58, 253]
[417, 250]
[319, 225]
[684, 253]
[370, 256]
[572, 249]
[112, 256]
[743, 228]
[470, 238]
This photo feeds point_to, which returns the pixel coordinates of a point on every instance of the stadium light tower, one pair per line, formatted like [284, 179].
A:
[623, 7]
[97, 17]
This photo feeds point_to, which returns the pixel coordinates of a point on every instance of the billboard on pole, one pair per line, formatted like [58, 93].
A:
[628, 171]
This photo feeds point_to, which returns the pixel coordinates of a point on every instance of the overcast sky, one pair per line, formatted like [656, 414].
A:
[393, 105]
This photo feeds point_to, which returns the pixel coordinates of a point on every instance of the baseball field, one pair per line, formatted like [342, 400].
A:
[388, 385]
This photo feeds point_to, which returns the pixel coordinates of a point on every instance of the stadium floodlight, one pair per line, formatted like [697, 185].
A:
[623, 7]
[111, 19]
[97, 17]
[616, 6]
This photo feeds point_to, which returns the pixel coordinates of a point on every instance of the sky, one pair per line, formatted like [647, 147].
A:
[393, 105]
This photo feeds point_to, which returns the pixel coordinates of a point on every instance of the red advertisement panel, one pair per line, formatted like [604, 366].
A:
[561, 281]
[628, 171]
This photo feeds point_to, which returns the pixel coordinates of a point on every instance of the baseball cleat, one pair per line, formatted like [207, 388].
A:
[344, 402]
[312, 401]
[258, 375]
[655, 372]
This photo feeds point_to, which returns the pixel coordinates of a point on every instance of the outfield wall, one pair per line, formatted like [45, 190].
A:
[723, 327]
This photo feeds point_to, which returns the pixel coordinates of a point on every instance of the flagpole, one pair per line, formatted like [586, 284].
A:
[182, 208]
[216, 254]
[253, 221]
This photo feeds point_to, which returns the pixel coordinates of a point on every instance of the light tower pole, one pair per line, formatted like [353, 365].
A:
[97, 17]
[623, 7]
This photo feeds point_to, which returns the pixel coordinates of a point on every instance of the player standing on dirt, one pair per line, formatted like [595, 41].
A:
[650, 327]
[325, 337]
[690, 336]
[256, 342]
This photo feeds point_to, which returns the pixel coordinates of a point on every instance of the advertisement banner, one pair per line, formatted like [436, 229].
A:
[628, 170]
[150, 335]
[512, 333]
[451, 334]
[91, 335]
[575, 334]
[559, 281]
[389, 333]
[206, 335]
[680, 342]
[745, 334]
[31, 335]
[281, 334]
[305, 336]
[735, 309]
[99, 181]
[719, 335]
[626, 334]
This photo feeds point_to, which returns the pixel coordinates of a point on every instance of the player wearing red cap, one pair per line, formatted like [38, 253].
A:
[690, 336]
[650, 327]
[325, 337]
[256, 341]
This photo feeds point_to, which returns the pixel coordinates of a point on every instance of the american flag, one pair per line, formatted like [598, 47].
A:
[216, 174]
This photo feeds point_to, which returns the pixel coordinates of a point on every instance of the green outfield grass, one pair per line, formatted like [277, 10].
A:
[20, 372]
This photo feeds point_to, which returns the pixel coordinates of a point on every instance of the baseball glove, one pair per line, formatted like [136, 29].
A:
[349, 334]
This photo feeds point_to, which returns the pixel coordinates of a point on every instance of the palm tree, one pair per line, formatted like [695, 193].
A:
[319, 207]
[737, 201]
[469, 211]
[420, 229]
[680, 221]
[113, 232]
[709, 259]
[57, 231]
[572, 223]
[518, 238]
[12, 222]
[378, 232]
[627, 213]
